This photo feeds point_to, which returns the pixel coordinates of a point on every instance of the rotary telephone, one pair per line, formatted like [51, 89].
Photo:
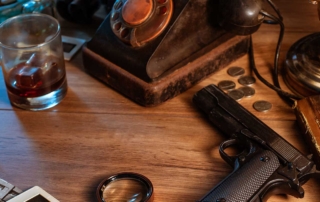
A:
[153, 50]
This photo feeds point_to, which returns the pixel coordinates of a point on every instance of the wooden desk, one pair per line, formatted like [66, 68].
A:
[96, 132]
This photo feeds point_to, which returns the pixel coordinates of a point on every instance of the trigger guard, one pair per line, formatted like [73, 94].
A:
[231, 159]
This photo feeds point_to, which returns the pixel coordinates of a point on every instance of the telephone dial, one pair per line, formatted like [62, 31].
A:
[153, 50]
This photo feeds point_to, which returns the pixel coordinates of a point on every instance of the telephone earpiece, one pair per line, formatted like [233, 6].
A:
[241, 17]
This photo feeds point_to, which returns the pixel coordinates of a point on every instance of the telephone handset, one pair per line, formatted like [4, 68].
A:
[241, 17]
[153, 50]
[138, 21]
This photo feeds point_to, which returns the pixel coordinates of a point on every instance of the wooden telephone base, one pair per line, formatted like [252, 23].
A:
[156, 92]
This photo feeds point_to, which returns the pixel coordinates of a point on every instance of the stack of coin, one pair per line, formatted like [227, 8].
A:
[245, 91]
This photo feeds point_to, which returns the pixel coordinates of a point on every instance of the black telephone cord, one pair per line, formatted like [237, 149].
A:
[287, 97]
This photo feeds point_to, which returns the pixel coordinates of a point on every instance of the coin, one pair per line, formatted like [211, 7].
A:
[248, 91]
[236, 94]
[262, 105]
[226, 85]
[246, 80]
[235, 71]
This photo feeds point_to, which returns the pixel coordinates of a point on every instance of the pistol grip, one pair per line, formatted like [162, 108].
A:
[245, 183]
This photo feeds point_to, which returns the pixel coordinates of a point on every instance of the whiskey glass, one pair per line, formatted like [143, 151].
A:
[32, 61]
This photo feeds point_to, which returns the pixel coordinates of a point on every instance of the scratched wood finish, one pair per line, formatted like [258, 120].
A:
[96, 132]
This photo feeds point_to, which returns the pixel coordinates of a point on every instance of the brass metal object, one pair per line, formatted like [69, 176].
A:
[135, 12]
[136, 22]
[302, 66]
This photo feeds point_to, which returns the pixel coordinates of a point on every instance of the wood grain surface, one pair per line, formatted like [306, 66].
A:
[95, 132]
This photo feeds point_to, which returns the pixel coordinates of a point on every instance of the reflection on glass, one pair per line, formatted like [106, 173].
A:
[125, 190]
[12, 8]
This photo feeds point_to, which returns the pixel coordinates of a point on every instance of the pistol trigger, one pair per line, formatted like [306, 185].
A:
[224, 145]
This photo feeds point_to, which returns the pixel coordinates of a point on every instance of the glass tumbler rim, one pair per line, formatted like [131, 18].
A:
[31, 15]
